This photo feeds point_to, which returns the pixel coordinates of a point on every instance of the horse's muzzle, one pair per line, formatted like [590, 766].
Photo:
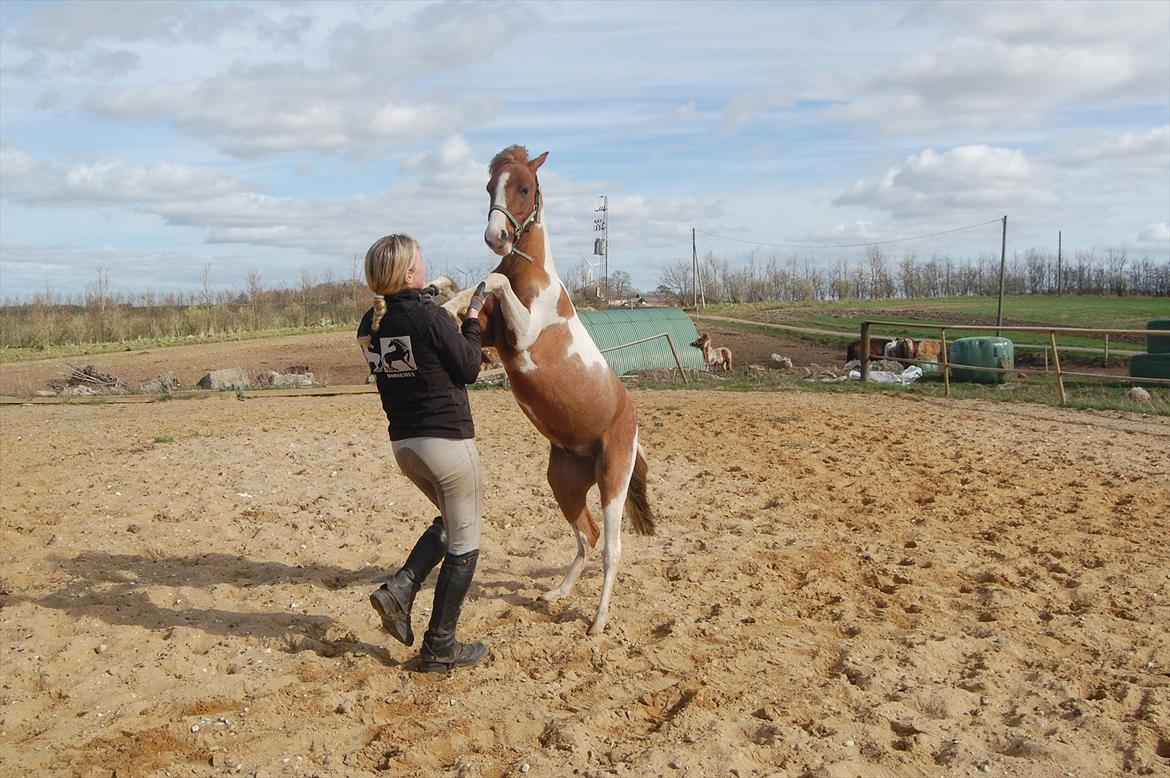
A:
[499, 241]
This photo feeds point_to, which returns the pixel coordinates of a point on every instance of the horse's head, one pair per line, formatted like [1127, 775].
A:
[515, 199]
[702, 341]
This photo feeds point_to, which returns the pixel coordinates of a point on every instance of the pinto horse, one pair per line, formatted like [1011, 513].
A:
[558, 376]
[714, 356]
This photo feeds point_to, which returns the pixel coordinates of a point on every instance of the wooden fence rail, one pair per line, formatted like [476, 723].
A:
[946, 365]
[669, 342]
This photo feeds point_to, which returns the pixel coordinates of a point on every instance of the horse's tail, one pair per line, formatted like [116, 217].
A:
[638, 498]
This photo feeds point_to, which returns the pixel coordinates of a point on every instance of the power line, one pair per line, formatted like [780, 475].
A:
[847, 245]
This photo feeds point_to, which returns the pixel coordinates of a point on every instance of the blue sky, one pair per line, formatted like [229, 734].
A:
[158, 138]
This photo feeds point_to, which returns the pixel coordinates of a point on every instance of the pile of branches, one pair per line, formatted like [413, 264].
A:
[88, 376]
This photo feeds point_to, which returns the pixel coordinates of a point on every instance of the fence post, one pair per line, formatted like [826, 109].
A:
[674, 352]
[1056, 362]
[864, 351]
[946, 367]
[1106, 361]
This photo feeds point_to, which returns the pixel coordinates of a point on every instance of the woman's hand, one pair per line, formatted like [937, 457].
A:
[478, 298]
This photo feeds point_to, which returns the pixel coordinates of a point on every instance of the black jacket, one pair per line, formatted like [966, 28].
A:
[422, 363]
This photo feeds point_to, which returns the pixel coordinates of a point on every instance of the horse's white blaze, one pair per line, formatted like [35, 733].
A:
[496, 220]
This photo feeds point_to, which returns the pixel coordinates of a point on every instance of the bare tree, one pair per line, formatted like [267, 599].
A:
[620, 284]
[101, 296]
[357, 281]
[908, 275]
[254, 290]
[677, 276]
[208, 293]
[306, 285]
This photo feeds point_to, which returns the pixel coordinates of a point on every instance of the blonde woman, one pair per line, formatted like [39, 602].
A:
[422, 364]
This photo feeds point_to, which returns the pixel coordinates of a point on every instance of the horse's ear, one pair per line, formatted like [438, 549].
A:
[535, 164]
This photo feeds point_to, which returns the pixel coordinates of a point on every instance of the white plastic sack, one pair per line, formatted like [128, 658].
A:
[907, 376]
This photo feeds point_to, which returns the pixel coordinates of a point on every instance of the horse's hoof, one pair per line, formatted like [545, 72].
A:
[552, 596]
[596, 628]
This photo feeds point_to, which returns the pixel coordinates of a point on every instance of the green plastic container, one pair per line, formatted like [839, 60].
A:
[1158, 344]
[1149, 365]
[984, 351]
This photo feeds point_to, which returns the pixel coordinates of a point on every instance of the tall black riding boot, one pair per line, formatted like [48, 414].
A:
[395, 598]
[440, 650]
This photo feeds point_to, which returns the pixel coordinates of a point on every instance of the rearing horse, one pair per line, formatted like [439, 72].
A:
[558, 376]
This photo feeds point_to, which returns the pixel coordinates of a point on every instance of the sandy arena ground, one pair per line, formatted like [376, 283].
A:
[842, 584]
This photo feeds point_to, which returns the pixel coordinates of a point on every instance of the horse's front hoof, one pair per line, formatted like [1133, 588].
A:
[596, 628]
[552, 596]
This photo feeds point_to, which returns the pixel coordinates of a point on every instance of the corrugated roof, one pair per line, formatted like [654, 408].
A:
[617, 326]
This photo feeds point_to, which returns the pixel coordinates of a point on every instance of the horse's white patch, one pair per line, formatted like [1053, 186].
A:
[497, 222]
[581, 345]
[524, 362]
[527, 324]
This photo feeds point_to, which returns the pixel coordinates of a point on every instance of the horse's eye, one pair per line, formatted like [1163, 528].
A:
[524, 191]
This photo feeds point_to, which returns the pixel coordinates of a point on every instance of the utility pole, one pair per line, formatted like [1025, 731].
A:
[694, 272]
[1002, 262]
[601, 245]
[1059, 274]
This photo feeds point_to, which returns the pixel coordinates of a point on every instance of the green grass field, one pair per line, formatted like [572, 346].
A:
[1024, 310]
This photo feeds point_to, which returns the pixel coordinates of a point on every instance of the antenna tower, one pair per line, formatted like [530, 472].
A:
[601, 245]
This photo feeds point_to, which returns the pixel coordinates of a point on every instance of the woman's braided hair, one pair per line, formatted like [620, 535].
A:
[387, 263]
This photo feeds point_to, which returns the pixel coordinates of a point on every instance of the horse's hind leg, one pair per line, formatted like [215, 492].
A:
[571, 477]
[615, 466]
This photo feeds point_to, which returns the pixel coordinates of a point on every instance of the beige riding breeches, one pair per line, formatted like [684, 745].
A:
[448, 473]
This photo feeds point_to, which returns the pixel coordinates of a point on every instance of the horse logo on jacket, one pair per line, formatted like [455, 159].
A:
[397, 349]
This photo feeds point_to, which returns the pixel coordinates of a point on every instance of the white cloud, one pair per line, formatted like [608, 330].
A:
[1156, 235]
[1014, 69]
[841, 233]
[30, 181]
[975, 179]
[1142, 153]
[452, 164]
[438, 197]
[273, 109]
[745, 107]
[70, 26]
[68, 269]
[984, 84]
[1057, 21]
[367, 99]
[444, 36]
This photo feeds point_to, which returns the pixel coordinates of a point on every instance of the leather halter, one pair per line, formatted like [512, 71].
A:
[518, 228]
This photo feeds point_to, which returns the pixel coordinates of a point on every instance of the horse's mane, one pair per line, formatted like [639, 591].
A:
[509, 156]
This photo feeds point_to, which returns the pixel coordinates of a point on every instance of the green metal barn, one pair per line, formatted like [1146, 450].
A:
[618, 326]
